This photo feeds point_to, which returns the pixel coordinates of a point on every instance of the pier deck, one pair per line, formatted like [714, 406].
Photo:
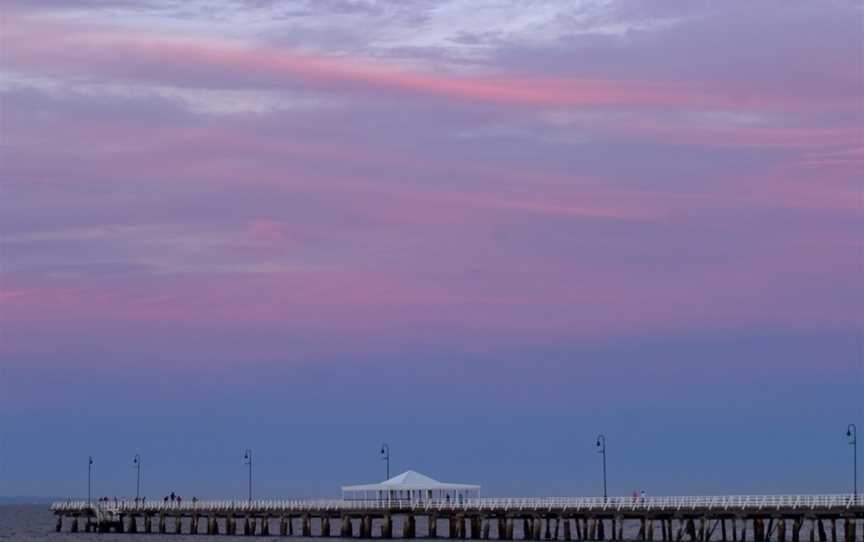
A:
[767, 518]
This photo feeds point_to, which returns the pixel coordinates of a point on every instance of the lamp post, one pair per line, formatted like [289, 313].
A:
[248, 461]
[89, 477]
[385, 456]
[601, 449]
[852, 433]
[136, 462]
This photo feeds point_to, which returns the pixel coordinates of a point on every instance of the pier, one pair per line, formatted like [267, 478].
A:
[783, 518]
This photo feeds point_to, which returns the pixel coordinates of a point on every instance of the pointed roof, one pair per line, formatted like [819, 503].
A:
[409, 480]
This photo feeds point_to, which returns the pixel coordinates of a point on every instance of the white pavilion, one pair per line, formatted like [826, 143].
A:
[413, 487]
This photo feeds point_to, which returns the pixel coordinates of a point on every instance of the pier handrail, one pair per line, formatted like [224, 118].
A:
[575, 504]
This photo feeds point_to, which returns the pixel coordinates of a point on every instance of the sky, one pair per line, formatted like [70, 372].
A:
[481, 231]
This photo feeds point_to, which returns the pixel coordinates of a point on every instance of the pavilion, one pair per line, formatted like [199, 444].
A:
[413, 487]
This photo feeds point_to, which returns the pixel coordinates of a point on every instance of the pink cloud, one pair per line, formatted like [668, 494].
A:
[38, 44]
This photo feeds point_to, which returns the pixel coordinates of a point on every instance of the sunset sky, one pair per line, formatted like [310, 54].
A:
[483, 231]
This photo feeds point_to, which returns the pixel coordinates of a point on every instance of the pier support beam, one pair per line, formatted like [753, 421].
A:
[325, 526]
[432, 525]
[411, 526]
[568, 535]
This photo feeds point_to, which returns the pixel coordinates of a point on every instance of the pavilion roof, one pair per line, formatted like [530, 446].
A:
[409, 480]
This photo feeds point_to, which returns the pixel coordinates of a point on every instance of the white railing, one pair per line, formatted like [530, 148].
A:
[574, 504]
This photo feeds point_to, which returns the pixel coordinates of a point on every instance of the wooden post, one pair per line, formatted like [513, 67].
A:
[432, 526]
[325, 526]
[812, 530]
[642, 529]
[487, 527]
[578, 524]
[568, 535]
[796, 530]
[557, 532]
[547, 534]
[601, 529]
[691, 529]
[650, 527]
[508, 528]
[823, 536]
[367, 527]
[781, 529]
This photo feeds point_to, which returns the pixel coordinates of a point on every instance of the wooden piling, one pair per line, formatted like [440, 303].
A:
[781, 530]
[568, 535]
[796, 530]
[432, 527]
[823, 536]
[412, 526]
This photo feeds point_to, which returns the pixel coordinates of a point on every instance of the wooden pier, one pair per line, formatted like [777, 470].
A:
[786, 518]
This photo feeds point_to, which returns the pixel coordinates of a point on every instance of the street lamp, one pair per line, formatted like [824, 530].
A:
[248, 461]
[136, 462]
[601, 449]
[89, 477]
[852, 433]
[385, 456]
